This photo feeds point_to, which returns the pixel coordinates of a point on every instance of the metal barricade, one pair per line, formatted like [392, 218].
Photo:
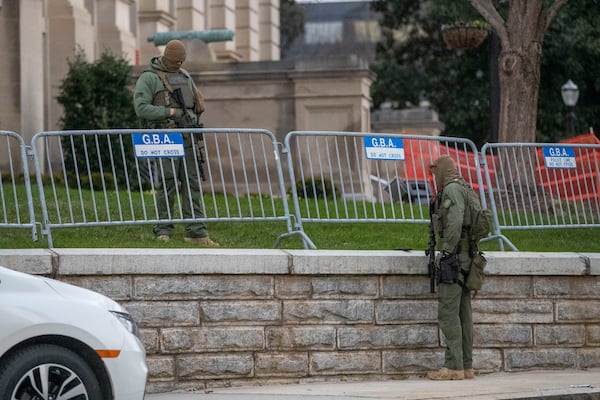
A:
[553, 185]
[115, 177]
[370, 177]
[17, 209]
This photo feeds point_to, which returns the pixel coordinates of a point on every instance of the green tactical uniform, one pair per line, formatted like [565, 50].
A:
[454, 299]
[152, 102]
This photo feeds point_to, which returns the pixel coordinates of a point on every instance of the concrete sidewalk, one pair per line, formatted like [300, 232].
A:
[563, 384]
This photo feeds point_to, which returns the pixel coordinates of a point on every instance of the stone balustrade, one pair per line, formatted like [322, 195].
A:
[218, 317]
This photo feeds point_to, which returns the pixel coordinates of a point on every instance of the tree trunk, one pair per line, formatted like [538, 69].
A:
[519, 68]
[519, 82]
[521, 37]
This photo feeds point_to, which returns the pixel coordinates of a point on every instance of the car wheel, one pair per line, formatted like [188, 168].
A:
[47, 372]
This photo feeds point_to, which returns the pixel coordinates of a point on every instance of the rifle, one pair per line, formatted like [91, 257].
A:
[430, 251]
[187, 122]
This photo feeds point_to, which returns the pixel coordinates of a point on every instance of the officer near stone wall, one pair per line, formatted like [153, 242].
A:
[158, 97]
[455, 316]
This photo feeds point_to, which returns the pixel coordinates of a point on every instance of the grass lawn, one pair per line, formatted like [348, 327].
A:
[342, 236]
[362, 235]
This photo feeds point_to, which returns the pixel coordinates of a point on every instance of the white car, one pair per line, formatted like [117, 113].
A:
[62, 342]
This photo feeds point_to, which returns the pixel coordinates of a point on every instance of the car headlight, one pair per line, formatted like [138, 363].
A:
[127, 321]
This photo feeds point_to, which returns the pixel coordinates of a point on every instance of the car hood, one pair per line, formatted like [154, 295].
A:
[14, 279]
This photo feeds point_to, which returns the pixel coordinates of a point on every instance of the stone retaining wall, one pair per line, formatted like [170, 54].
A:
[213, 317]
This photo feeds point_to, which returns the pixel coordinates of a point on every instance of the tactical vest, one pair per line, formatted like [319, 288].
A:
[441, 206]
[173, 81]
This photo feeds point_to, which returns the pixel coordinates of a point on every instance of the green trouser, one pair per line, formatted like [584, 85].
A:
[456, 320]
[180, 175]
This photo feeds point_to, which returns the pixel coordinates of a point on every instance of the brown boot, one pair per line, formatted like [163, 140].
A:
[446, 374]
[202, 242]
[469, 373]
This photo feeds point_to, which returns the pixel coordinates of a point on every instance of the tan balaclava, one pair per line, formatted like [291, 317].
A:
[444, 170]
[174, 55]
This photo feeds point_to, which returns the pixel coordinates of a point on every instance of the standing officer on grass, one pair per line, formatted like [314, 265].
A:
[455, 316]
[158, 97]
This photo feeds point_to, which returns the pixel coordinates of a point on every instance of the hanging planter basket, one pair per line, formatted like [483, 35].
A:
[463, 37]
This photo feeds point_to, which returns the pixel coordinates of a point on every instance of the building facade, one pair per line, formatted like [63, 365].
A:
[38, 37]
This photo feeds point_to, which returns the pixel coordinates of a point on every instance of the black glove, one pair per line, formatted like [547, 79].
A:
[442, 255]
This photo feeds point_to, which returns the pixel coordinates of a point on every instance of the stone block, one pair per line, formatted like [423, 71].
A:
[200, 340]
[523, 359]
[300, 338]
[403, 311]
[241, 312]
[164, 314]
[328, 311]
[149, 338]
[326, 287]
[419, 361]
[171, 261]
[487, 360]
[29, 261]
[502, 335]
[588, 358]
[565, 287]
[281, 364]
[578, 311]
[118, 288]
[215, 366]
[344, 287]
[160, 367]
[293, 287]
[203, 287]
[394, 287]
[533, 263]
[593, 335]
[512, 287]
[350, 362]
[382, 337]
[594, 262]
[559, 335]
[411, 362]
[359, 262]
[512, 311]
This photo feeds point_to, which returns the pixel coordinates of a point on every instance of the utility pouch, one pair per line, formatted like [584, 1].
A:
[449, 267]
[476, 274]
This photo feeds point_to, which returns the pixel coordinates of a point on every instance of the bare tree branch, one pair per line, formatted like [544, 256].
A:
[553, 10]
[492, 16]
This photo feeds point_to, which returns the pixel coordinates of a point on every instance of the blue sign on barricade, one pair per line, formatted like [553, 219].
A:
[153, 145]
[384, 148]
[559, 157]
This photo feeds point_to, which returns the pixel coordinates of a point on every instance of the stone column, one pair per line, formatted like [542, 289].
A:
[269, 30]
[222, 16]
[153, 16]
[247, 29]
[32, 56]
[70, 26]
[116, 28]
[191, 15]
[333, 95]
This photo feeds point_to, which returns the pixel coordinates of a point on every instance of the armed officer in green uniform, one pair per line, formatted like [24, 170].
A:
[157, 99]
[454, 261]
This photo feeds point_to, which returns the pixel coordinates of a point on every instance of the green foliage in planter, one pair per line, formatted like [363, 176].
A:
[477, 24]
